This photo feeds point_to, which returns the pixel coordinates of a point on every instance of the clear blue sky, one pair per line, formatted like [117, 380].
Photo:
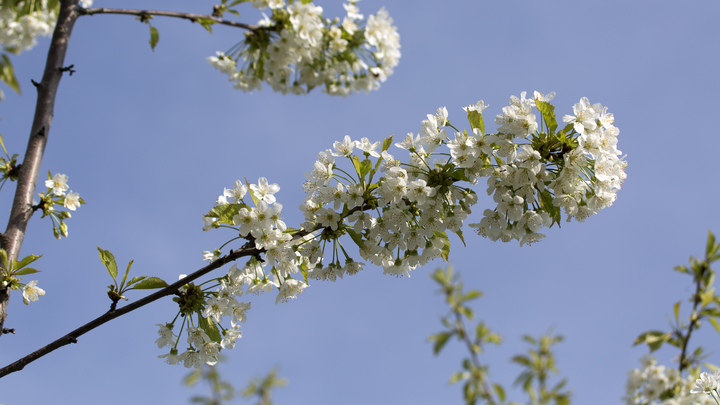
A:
[149, 139]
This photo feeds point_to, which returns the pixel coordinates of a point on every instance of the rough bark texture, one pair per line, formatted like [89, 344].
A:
[21, 210]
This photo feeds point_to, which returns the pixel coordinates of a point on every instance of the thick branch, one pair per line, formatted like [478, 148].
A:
[186, 16]
[248, 250]
[20, 213]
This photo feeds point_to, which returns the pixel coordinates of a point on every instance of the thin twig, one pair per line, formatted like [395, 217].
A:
[463, 334]
[693, 322]
[186, 16]
[248, 250]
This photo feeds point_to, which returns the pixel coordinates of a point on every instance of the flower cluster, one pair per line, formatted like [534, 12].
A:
[660, 385]
[203, 311]
[56, 195]
[576, 169]
[400, 214]
[296, 50]
[21, 24]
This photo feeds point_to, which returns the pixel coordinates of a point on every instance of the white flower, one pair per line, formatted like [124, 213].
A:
[207, 223]
[167, 337]
[289, 290]
[480, 106]
[210, 256]
[72, 201]
[344, 147]
[32, 293]
[706, 383]
[58, 184]
[228, 340]
[264, 191]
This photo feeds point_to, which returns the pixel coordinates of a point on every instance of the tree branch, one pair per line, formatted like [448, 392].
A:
[186, 16]
[20, 212]
[248, 249]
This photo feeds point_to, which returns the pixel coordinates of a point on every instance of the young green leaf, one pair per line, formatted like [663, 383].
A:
[3, 146]
[122, 283]
[208, 325]
[7, 75]
[548, 113]
[154, 37]
[715, 324]
[225, 212]
[206, 23]
[476, 120]
[109, 261]
[4, 258]
[654, 339]
[135, 280]
[440, 340]
[500, 391]
[150, 283]
[252, 193]
[711, 248]
[386, 143]
[26, 271]
[26, 260]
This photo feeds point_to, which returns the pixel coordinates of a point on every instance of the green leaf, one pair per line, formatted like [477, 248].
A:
[151, 283]
[154, 37]
[458, 376]
[225, 212]
[252, 193]
[676, 310]
[304, 271]
[386, 143]
[109, 261]
[714, 323]
[471, 295]
[654, 339]
[459, 233]
[3, 145]
[546, 203]
[210, 328]
[365, 167]
[500, 391]
[26, 260]
[711, 248]
[26, 271]
[4, 258]
[122, 283]
[476, 120]
[359, 166]
[548, 113]
[446, 247]
[135, 280]
[7, 75]
[440, 340]
[206, 23]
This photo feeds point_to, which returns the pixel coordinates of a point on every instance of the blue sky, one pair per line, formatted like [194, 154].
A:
[150, 139]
